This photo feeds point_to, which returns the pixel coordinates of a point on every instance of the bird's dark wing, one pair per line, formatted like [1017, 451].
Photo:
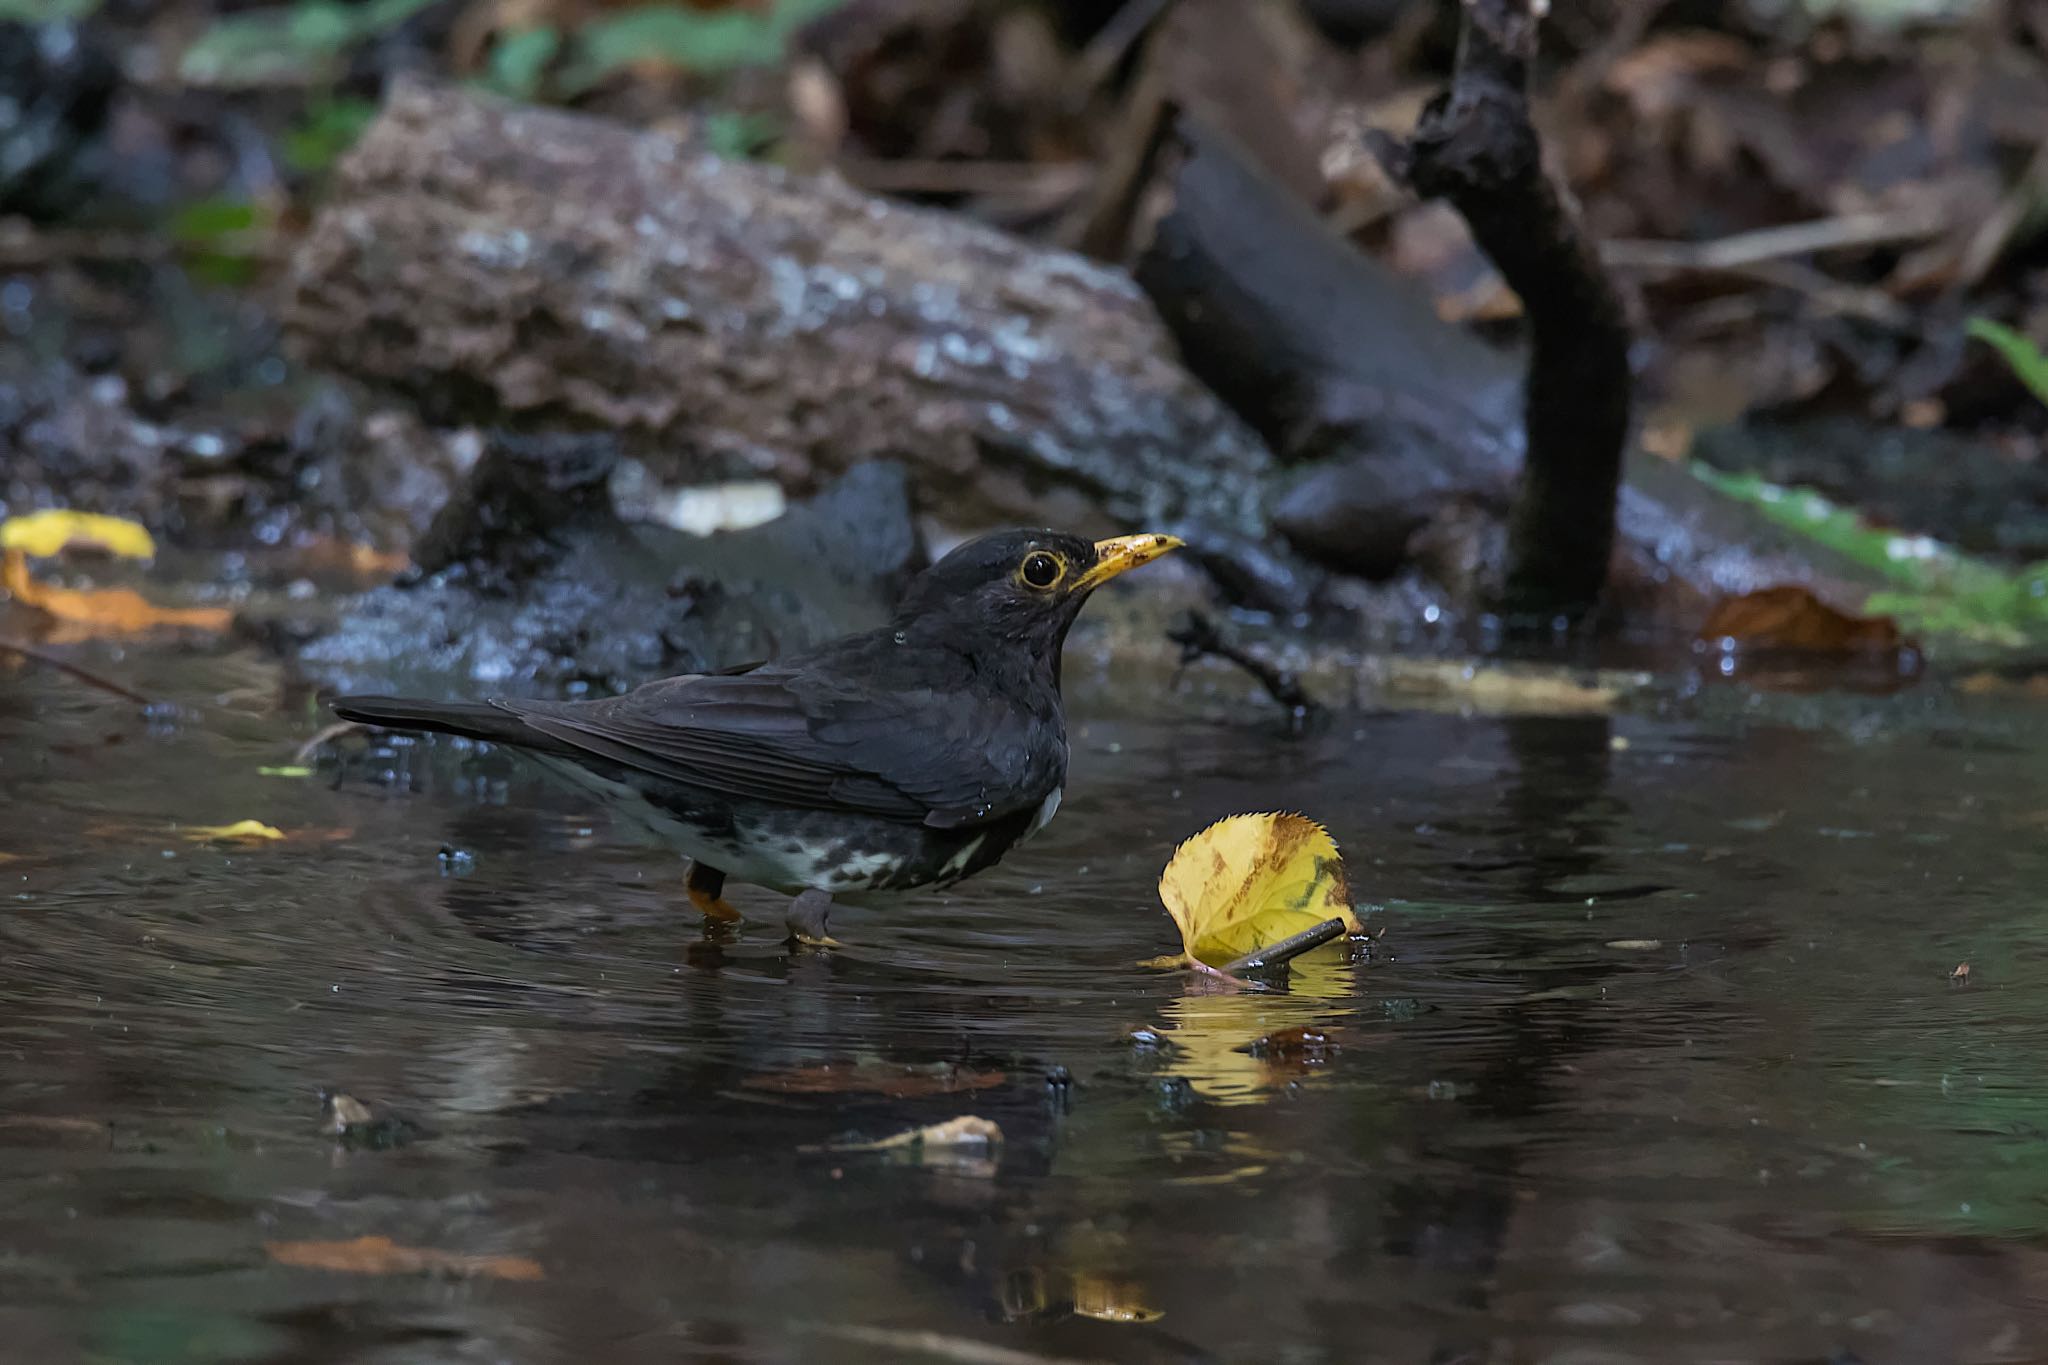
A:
[916, 745]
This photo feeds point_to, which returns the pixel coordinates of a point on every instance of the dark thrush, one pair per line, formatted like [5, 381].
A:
[909, 756]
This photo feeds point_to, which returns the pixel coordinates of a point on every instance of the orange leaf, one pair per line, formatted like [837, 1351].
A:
[382, 1256]
[1792, 618]
[87, 613]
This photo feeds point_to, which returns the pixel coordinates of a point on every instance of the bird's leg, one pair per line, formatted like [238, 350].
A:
[806, 918]
[706, 885]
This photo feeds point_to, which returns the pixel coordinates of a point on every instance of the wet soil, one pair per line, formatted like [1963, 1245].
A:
[1658, 1056]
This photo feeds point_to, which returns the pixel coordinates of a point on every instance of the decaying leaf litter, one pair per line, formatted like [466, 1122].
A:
[1806, 269]
[1654, 122]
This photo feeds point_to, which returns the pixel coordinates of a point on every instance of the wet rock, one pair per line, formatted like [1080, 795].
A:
[531, 584]
[527, 499]
[56, 83]
[353, 1123]
[730, 318]
[172, 406]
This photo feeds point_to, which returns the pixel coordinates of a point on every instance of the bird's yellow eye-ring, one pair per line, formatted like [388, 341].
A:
[1041, 569]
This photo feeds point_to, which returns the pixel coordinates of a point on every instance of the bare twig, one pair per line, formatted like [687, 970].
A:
[1200, 636]
[1745, 249]
[1287, 949]
[2003, 230]
[83, 675]
[1114, 41]
[324, 735]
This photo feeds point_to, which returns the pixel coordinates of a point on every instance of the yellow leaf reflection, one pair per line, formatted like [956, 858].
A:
[1210, 1029]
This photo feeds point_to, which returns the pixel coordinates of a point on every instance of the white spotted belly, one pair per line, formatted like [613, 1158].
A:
[782, 860]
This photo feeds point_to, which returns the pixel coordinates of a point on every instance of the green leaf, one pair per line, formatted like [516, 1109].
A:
[288, 45]
[2024, 356]
[215, 234]
[204, 221]
[46, 11]
[328, 129]
[732, 134]
[1939, 590]
[519, 61]
[689, 40]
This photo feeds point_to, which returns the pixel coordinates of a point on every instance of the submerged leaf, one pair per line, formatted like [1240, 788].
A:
[969, 1130]
[238, 832]
[1253, 880]
[44, 534]
[875, 1078]
[87, 613]
[382, 1256]
[1113, 1300]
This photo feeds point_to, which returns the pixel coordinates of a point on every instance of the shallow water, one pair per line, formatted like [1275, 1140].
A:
[1657, 1057]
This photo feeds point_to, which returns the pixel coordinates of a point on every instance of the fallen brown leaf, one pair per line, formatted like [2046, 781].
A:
[241, 831]
[1989, 684]
[382, 1256]
[57, 1128]
[875, 1078]
[1792, 618]
[1304, 1043]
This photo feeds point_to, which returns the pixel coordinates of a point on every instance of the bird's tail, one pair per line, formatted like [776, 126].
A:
[474, 720]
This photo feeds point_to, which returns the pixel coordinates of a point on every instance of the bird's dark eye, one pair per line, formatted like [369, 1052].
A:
[1042, 570]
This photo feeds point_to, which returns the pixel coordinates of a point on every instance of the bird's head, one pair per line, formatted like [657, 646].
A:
[1020, 586]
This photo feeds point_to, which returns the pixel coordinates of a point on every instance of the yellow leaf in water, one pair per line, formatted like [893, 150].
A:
[43, 534]
[1113, 1300]
[238, 832]
[1253, 880]
[382, 1256]
[86, 613]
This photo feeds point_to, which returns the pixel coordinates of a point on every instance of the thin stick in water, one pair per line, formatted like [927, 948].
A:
[87, 676]
[1273, 954]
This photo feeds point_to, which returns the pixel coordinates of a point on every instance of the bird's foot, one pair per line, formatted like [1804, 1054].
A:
[706, 886]
[806, 918]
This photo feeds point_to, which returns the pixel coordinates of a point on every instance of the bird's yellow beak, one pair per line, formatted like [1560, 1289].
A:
[1119, 553]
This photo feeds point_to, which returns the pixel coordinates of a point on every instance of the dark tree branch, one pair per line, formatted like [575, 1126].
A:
[1476, 147]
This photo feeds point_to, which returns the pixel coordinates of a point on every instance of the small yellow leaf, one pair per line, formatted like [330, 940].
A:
[43, 534]
[1253, 880]
[241, 830]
